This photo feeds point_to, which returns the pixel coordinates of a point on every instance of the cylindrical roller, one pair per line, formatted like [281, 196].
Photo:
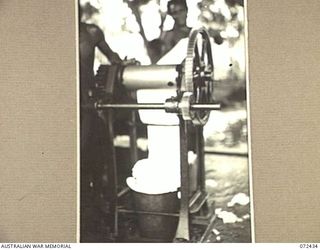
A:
[150, 77]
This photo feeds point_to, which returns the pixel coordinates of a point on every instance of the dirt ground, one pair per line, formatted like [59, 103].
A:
[226, 177]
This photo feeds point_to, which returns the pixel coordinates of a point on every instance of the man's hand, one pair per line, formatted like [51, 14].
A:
[131, 61]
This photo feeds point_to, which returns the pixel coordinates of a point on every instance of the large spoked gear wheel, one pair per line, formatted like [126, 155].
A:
[197, 87]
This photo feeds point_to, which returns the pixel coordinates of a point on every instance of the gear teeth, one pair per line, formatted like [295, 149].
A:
[198, 118]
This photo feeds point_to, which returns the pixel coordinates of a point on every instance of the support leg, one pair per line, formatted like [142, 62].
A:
[112, 186]
[183, 233]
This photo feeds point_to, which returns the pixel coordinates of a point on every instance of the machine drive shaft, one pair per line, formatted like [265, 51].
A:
[156, 106]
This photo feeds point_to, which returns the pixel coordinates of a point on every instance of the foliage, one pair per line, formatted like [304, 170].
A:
[222, 18]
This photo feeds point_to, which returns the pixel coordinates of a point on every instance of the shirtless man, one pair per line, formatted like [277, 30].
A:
[92, 130]
[91, 37]
[178, 9]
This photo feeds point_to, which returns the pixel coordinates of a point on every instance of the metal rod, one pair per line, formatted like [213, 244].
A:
[132, 106]
[212, 106]
[133, 138]
[183, 233]
[155, 106]
[129, 211]
[201, 161]
[112, 170]
[208, 230]
[194, 198]
[238, 154]
[123, 192]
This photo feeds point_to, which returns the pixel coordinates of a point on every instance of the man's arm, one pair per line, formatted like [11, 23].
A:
[105, 49]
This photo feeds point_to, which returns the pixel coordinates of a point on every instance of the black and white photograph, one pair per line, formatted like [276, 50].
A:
[159, 123]
[164, 133]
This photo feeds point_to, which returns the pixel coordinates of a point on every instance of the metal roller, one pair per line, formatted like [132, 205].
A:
[193, 81]
[150, 77]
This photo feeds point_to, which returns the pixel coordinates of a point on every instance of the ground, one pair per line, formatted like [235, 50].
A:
[227, 176]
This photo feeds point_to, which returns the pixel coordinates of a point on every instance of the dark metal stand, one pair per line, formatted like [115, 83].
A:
[194, 208]
[183, 232]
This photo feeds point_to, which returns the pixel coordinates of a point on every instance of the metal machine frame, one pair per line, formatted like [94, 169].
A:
[193, 103]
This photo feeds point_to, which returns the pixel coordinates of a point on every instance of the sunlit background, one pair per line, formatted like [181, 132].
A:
[123, 33]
